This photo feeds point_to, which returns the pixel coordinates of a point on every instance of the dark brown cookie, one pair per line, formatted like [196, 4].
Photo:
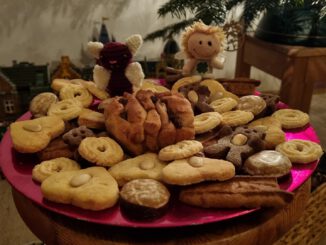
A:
[76, 135]
[56, 148]
[271, 103]
[237, 147]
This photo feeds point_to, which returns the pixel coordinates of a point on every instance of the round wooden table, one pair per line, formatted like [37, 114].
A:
[264, 226]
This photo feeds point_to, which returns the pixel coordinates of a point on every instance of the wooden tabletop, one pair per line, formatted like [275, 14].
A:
[264, 226]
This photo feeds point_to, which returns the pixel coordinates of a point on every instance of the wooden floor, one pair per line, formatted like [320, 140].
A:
[14, 232]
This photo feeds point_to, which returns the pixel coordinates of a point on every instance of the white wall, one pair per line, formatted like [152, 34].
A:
[41, 31]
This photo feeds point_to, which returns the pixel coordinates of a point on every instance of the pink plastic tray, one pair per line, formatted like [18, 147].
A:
[18, 167]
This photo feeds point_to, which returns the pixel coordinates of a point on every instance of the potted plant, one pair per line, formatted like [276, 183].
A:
[297, 22]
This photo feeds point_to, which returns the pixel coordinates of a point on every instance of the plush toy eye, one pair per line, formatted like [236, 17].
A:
[209, 43]
[200, 42]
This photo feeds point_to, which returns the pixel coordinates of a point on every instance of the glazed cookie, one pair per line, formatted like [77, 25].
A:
[77, 92]
[66, 109]
[91, 119]
[146, 166]
[56, 148]
[144, 199]
[300, 151]
[182, 149]
[291, 118]
[197, 169]
[91, 188]
[76, 135]
[34, 135]
[251, 103]
[102, 151]
[206, 121]
[273, 130]
[268, 163]
[224, 104]
[40, 104]
[45, 169]
[237, 147]
[236, 118]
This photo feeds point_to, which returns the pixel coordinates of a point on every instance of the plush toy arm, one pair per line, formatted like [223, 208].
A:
[101, 76]
[217, 62]
[189, 66]
[135, 74]
[94, 48]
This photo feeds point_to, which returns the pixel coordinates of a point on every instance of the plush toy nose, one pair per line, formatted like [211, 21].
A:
[112, 62]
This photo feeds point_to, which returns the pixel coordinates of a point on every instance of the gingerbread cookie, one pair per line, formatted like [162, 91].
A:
[45, 169]
[300, 151]
[197, 169]
[34, 135]
[102, 151]
[291, 118]
[91, 188]
[76, 135]
[182, 149]
[41, 103]
[237, 147]
[268, 163]
[146, 166]
[56, 148]
[271, 101]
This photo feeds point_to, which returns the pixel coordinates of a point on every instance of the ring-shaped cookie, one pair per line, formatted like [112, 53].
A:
[252, 103]
[77, 92]
[180, 150]
[237, 118]
[66, 109]
[47, 168]
[206, 121]
[224, 104]
[102, 151]
[185, 81]
[300, 151]
[291, 118]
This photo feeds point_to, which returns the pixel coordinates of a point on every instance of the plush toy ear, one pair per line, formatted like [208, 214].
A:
[134, 42]
[94, 48]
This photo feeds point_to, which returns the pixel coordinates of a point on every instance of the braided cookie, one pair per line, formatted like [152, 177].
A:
[224, 104]
[77, 92]
[46, 168]
[237, 118]
[182, 149]
[291, 118]
[66, 109]
[206, 121]
[300, 151]
[102, 151]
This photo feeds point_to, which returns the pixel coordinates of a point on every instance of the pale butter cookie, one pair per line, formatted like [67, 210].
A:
[182, 149]
[66, 109]
[252, 103]
[77, 92]
[237, 118]
[223, 104]
[206, 121]
[41, 103]
[291, 118]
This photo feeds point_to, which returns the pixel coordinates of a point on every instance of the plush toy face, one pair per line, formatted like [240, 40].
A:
[203, 46]
[115, 56]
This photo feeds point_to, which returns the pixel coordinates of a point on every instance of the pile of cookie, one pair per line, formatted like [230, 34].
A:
[198, 142]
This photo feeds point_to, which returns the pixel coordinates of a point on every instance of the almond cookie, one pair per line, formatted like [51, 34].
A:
[182, 149]
[300, 151]
[45, 169]
[197, 169]
[237, 118]
[66, 109]
[34, 135]
[268, 163]
[146, 166]
[238, 192]
[273, 130]
[206, 121]
[91, 119]
[102, 151]
[40, 104]
[252, 103]
[144, 199]
[291, 118]
[91, 188]
[224, 104]
[77, 92]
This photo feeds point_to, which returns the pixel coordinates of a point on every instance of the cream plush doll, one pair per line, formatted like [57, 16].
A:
[115, 71]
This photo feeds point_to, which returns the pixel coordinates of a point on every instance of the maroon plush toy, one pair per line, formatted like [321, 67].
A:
[115, 72]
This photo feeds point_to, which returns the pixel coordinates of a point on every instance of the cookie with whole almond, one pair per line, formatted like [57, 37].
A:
[34, 135]
[91, 188]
